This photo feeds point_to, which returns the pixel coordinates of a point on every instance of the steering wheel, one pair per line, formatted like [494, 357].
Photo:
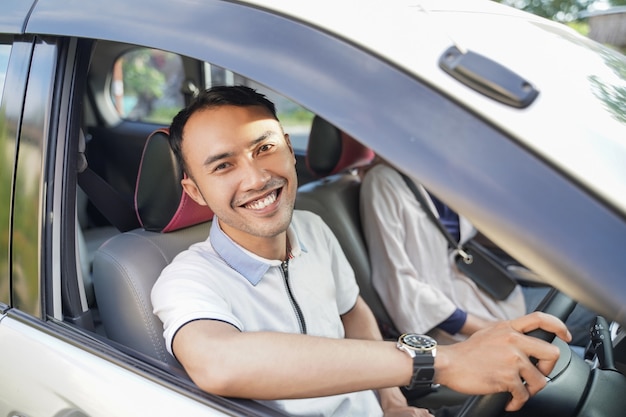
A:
[492, 405]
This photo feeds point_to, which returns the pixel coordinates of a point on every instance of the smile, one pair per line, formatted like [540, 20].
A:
[263, 202]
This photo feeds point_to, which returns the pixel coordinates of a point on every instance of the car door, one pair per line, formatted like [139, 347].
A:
[57, 363]
[51, 362]
[75, 368]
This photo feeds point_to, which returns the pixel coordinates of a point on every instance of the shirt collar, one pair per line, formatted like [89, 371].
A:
[252, 267]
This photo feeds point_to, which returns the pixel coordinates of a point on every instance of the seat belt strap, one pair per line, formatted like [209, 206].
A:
[108, 201]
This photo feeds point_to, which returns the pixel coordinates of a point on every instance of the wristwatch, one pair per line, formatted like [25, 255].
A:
[422, 349]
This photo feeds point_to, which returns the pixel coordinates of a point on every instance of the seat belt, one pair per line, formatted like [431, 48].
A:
[104, 197]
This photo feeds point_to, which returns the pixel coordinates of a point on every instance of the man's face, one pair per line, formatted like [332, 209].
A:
[242, 166]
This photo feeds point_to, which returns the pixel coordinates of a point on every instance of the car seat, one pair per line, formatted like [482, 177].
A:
[335, 158]
[126, 266]
[338, 159]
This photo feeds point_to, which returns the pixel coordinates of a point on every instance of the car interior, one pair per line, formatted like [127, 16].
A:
[122, 183]
[133, 217]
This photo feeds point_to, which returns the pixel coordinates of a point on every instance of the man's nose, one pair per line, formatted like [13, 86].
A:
[255, 176]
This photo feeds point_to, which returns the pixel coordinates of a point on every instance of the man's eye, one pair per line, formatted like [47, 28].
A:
[221, 166]
[265, 148]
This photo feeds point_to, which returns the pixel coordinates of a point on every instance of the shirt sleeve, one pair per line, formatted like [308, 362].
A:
[454, 323]
[408, 255]
[180, 296]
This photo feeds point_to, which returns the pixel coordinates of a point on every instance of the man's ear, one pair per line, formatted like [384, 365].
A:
[192, 190]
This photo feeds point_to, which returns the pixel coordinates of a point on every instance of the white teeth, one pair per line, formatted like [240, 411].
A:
[262, 203]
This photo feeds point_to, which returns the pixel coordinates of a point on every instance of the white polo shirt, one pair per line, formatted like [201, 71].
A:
[219, 280]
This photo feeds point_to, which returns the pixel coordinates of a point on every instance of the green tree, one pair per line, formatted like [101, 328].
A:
[140, 75]
[559, 10]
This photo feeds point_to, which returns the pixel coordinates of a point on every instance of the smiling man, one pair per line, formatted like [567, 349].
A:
[246, 175]
[268, 308]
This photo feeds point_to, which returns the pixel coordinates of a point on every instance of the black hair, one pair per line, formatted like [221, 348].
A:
[217, 96]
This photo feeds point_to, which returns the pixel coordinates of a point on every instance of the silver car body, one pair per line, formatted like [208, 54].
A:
[380, 52]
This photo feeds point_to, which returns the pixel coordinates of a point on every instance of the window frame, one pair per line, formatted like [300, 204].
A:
[5, 189]
[11, 112]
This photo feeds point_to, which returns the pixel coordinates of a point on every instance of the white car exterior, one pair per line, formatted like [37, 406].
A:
[552, 192]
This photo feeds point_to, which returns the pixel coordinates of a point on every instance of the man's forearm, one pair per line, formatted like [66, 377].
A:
[263, 365]
[269, 365]
[360, 323]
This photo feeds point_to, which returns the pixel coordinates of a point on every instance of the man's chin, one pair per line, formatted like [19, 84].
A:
[270, 229]
[264, 226]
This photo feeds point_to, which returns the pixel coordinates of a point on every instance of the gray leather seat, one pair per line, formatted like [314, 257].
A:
[336, 157]
[127, 265]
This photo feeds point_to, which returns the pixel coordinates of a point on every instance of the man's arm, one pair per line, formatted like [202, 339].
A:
[360, 323]
[269, 365]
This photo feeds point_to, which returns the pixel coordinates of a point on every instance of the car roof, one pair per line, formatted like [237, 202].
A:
[579, 130]
[14, 14]
[586, 137]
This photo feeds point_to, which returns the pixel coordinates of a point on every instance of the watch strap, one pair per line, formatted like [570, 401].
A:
[423, 371]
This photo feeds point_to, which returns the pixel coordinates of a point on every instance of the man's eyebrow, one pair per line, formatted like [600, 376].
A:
[214, 158]
[266, 135]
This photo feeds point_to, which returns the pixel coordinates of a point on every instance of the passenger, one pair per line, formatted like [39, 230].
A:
[413, 267]
[268, 308]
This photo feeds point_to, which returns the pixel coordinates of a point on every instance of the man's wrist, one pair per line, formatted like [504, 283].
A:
[441, 364]
[423, 350]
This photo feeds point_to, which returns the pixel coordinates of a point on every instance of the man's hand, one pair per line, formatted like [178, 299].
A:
[496, 359]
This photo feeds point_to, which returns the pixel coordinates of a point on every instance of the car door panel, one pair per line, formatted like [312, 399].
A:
[63, 376]
[29, 179]
[64, 379]
[68, 369]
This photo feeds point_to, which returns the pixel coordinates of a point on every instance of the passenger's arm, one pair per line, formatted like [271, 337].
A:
[394, 220]
[473, 324]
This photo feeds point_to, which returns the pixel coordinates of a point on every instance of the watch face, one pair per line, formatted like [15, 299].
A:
[419, 342]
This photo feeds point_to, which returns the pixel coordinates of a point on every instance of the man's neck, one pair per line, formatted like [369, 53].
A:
[274, 247]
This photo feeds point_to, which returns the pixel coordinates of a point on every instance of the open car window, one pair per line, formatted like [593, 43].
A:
[151, 85]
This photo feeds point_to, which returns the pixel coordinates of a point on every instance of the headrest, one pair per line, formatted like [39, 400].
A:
[331, 151]
[160, 201]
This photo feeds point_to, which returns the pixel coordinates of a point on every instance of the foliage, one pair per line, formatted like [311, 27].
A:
[613, 95]
[295, 117]
[579, 26]
[151, 85]
[161, 115]
[140, 75]
[559, 10]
